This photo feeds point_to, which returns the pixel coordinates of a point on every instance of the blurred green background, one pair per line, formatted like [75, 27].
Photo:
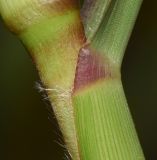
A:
[26, 132]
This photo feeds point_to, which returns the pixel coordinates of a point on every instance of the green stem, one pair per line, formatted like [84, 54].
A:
[95, 119]
[92, 14]
[104, 125]
[115, 29]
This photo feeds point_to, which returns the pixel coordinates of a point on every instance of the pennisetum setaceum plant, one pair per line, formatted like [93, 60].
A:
[78, 50]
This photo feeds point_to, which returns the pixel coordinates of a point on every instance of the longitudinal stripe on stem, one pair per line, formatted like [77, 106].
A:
[82, 81]
[114, 32]
[92, 14]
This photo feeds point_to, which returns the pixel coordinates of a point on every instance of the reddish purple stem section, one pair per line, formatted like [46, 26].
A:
[90, 68]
